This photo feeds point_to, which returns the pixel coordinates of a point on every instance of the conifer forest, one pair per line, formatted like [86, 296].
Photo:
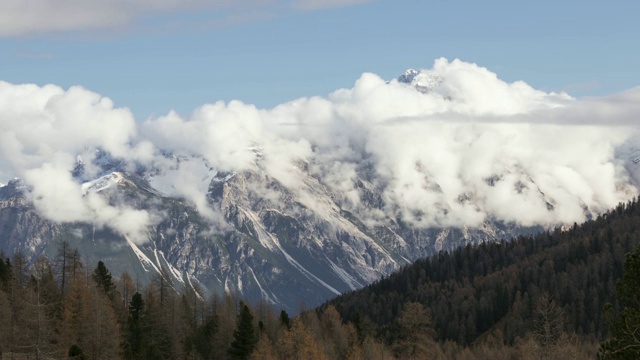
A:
[568, 293]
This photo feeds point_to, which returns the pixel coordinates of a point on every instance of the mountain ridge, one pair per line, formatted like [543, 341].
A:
[319, 195]
[262, 248]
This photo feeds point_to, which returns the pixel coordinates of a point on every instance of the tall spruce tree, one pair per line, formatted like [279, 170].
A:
[102, 277]
[284, 319]
[245, 335]
[134, 339]
[624, 324]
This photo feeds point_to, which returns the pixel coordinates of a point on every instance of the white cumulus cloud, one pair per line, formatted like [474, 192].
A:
[456, 146]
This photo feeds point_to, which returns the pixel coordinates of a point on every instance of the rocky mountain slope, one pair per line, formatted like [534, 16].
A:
[288, 247]
[318, 196]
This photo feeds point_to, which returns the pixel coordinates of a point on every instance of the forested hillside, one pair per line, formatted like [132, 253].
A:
[498, 289]
[533, 297]
[63, 309]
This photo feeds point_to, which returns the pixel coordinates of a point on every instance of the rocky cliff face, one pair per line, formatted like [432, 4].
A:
[288, 246]
[22, 229]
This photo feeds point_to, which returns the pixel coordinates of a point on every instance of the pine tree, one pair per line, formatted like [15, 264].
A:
[284, 319]
[624, 326]
[102, 277]
[134, 339]
[5, 273]
[245, 335]
[76, 353]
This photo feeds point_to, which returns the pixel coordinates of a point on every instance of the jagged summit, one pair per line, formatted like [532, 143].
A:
[408, 76]
[423, 80]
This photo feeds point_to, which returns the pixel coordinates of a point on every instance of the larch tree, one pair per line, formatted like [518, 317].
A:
[415, 335]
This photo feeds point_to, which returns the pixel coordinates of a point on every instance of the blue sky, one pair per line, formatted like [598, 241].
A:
[267, 52]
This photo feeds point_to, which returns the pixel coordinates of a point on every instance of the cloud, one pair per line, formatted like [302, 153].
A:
[325, 4]
[43, 129]
[20, 18]
[455, 146]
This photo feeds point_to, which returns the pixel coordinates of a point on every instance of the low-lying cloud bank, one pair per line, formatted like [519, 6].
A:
[449, 146]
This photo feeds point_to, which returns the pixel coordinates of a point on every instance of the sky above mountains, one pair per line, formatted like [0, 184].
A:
[154, 56]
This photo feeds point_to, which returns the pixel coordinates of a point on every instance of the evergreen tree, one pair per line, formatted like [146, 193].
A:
[135, 334]
[245, 335]
[203, 339]
[76, 353]
[624, 325]
[5, 273]
[284, 319]
[102, 277]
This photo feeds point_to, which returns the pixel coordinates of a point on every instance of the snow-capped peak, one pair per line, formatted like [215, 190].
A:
[102, 183]
[423, 80]
[408, 76]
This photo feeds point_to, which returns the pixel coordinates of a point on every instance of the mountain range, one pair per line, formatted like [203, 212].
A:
[292, 234]
[272, 248]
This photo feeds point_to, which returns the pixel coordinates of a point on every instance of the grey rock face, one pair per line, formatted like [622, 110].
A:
[290, 247]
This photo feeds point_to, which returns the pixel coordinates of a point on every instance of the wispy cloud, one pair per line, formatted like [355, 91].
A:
[325, 4]
[24, 18]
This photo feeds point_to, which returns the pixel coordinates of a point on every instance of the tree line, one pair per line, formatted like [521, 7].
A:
[499, 293]
[61, 309]
[534, 297]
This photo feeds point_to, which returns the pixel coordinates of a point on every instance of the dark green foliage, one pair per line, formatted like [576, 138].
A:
[75, 352]
[203, 341]
[5, 273]
[284, 319]
[624, 320]
[245, 335]
[493, 287]
[102, 277]
[364, 326]
[134, 336]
